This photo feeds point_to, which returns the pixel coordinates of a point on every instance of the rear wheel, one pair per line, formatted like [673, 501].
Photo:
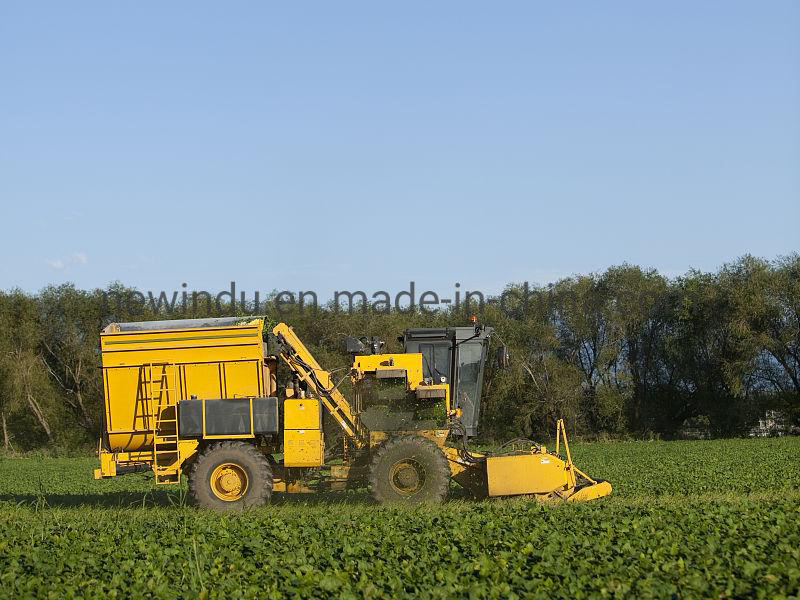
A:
[231, 476]
[409, 469]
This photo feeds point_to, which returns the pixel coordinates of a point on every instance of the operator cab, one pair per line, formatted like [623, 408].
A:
[456, 356]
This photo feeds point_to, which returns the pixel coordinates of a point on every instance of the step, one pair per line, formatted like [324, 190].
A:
[166, 469]
[172, 480]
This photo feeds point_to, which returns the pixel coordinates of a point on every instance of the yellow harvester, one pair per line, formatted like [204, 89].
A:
[200, 396]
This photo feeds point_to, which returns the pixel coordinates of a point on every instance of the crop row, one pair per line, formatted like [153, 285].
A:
[688, 519]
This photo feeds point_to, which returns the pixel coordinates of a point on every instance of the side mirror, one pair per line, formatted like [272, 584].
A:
[503, 357]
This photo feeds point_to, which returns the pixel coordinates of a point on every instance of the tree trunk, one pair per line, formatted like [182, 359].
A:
[34, 405]
[6, 439]
[88, 421]
[37, 412]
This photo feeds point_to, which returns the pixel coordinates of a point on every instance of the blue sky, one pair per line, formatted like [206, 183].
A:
[344, 145]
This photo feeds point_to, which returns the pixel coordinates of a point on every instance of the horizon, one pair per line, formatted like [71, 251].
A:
[152, 295]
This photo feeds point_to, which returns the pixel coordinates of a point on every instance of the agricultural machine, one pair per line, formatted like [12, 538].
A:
[200, 396]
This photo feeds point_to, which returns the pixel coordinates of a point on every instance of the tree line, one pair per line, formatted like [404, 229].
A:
[607, 351]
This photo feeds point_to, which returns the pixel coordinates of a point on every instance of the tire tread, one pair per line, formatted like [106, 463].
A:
[200, 490]
[379, 488]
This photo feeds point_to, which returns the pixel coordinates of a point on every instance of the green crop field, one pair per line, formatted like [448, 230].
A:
[706, 519]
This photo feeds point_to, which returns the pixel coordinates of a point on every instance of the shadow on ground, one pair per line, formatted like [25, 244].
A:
[108, 499]
[178, 497]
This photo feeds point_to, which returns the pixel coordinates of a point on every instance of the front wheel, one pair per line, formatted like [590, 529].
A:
[409, 469]
[231, 476]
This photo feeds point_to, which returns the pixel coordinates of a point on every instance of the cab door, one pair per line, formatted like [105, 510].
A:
[437, 361]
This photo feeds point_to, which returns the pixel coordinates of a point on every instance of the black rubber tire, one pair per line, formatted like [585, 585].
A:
[248, 458]
[425, 454]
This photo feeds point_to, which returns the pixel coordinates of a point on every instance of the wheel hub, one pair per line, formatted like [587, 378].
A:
[229, 482]
[407, 477]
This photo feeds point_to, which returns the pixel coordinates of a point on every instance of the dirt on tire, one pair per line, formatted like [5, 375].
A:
[245, 456]
[409, 469]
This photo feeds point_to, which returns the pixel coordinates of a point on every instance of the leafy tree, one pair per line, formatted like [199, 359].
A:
[623, 351]
[70, 345]
[20, 361]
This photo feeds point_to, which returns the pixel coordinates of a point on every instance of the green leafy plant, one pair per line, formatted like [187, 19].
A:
[687, 519]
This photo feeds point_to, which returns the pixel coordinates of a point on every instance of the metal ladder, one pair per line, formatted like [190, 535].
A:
[163, 396]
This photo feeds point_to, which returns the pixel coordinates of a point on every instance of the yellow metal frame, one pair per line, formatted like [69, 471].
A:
[389, 363]
[163, 393]
[303, 363]
[561, 433]
[111, 461]
[537, 473]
